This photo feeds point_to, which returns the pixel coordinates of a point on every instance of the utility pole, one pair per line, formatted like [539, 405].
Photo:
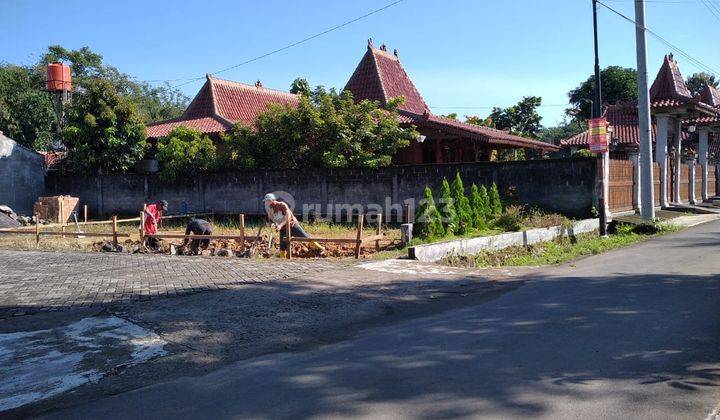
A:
[646, 164]
[597, 113]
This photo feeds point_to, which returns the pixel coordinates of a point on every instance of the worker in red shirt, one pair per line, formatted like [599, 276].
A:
[153, 214]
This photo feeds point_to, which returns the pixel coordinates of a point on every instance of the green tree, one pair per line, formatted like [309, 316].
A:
[104, 131]
[485, 203]
[619, 84]
[446, 206]
[521, 119]
[326, 129]
[462, 206]
[564, 130]
[184, 152]
[428, 223]
[696, 82]
[495, 204]
[300, 86]
[26, 113]
[477, 208]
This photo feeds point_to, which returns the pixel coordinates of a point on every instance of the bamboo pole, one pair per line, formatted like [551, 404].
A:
[69, 234]
[37, 230]
[358, 239]
[241, 220]
[378, 231]
[115, 231]
[288, 231]
[141, 229]
[85, 213]
[193, 236]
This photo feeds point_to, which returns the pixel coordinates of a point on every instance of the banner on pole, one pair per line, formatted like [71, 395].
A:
[598, 129]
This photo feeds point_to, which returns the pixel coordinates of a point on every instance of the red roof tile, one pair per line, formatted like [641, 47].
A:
[490, 135]
[709, 95]
[207, 125]
[380, 77]
[623, 120]
[669, 84]
[221, 103]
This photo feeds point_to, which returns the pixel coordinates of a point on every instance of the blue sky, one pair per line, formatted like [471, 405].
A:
[464, 56]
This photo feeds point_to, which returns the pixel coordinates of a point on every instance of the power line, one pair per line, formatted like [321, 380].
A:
[714, 10]
[294, 44]
[697, 63]
[488, 107]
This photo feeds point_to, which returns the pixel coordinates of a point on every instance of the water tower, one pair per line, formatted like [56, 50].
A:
[59, 85]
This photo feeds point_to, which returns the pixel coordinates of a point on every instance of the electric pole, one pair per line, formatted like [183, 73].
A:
[597, 113]
[646, 164]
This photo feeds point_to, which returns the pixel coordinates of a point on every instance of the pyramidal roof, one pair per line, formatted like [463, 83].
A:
[381, 77]
[222, 103]
[669, 85]
[710, 95]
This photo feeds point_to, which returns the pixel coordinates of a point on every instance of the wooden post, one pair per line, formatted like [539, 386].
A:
[85, 212]
[115, 231]
[378, 231]
[406, 210]
[61, 219]
[358, 239]
[142, 228]
[242, 232]
[288, 232]
[37, 230]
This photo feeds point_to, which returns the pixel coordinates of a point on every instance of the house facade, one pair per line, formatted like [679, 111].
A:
[378, 77]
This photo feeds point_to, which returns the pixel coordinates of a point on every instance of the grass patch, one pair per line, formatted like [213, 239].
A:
[560, 250]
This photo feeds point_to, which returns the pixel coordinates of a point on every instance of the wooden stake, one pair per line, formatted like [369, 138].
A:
[142, 227]
[61, 219]
[378, 231]
[242, 232]
[85, 212]
[37, 230]
[358, 239]
[115, 231]
[288, 231]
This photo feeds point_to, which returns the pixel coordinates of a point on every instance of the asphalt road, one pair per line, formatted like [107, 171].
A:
[633, 333]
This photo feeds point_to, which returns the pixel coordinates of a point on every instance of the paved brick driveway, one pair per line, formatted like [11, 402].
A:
[49, 281]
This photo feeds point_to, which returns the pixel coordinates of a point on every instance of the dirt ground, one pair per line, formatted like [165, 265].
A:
[267, 247]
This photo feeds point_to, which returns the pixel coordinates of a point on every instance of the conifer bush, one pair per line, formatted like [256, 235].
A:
[446, 206]
[477, 208]
[495, 203]
[428, 223]
[462, 206]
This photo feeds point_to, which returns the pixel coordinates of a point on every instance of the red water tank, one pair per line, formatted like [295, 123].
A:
[58, 77]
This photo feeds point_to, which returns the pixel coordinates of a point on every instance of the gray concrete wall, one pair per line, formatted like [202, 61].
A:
[22, 176]
[562, 185]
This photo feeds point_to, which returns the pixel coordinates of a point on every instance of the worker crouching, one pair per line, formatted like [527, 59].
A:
[279, 214]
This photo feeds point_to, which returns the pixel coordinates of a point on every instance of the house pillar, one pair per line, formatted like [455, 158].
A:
[691, 181]
[635, 159]
[661, 155]
[606, 184]
[703, 134]
[678, 159]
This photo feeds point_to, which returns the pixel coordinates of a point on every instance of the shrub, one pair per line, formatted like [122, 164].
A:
[477, 208]
[485, 203]
[511, 220]
[446, 206]
[462, 206]
[495, 204]
[427, 218]
[184, 152]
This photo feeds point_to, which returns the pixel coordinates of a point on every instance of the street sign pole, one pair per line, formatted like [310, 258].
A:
[597, 113]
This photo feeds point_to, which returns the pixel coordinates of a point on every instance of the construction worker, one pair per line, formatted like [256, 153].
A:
[278, 212]
[198, 227]
[153, 214]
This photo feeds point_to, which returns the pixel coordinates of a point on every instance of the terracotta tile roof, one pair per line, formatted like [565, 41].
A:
[709, 95]
[380, 77]
[669, 84]
[220, 104]
[623, 120]
[487, 134]
[207, 125]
